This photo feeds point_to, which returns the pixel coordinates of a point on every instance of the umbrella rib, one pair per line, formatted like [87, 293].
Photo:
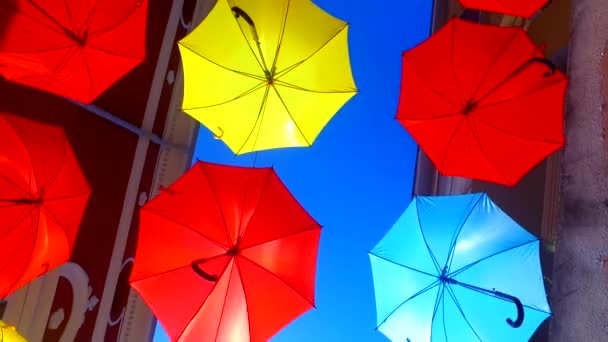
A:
[437, 117]
[238, 267]
[471, 151]
[279, 278]
[479, 118]
[458, 231]
[455, 105]
[184, 226]
[219, 325]
[438, 300]
[507, 43]
[259, 119]
[93, 47]
[306, 230]
[522, 95]
[409, 268]
[291, 116]
[260, 78]
[110, 28]
[453, 295]
[29, 258]
[266, 181]
[445, 153]
[226, 230]
[289, 85]
[16, 187]
[18, 220]
[41, 23]
[20, 245]
[202, 304]
[463, 101]
[70, 18]
[252, 90]
[173, 270]
[297, 64]
[86, 64]
[503, 299]
[67, 197]
[476, 137]
[53, 218]
[466, 267]
[260, 64]
[428, 248]
[427, 288]
[445, 331]
[281, 35]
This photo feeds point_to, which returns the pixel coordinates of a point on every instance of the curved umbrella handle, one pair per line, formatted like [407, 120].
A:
[520, 309]
[239, 12]
[546, 62]
[199, 271]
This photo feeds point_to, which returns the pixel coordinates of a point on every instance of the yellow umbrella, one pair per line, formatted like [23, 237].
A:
[263, 74]
[8, 333]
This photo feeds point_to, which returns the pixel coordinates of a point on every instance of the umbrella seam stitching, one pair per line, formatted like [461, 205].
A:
[217, 201]
[219, 244]
[260, 119]
[452, 247]
[279, 279]
[424, 238]
[267, 180]
[498, 55]
[514, 135]
[476, 138]
[295, 65]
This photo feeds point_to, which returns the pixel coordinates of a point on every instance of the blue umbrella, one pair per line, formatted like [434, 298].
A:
[455, 268]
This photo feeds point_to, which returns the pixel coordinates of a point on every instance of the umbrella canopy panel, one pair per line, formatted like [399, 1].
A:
[266, 74]
[519, 8]
[43, 195]
[8, 333]
[482, 102]
[226, 254]
[454, 268]
[72, 48]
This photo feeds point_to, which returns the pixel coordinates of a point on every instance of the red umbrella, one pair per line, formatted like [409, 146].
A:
[75, 49]
[43, 194]
[519, 8]
[482, 102]
[226, 254]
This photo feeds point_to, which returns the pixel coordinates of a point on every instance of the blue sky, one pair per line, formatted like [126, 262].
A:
[356, 179]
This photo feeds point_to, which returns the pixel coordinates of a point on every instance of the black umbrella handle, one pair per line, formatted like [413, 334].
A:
[196, 267]
[544, 61]
[520, 309]
[240, 13]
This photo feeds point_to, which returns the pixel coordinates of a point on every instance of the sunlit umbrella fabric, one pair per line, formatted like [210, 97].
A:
[519, 8]
[482, 102]
[226, 254]
[454, 268]
[43, 195]
[266, 74]
[72, 48]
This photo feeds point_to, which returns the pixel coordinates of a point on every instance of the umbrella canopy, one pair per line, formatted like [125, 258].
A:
[75, 49]
[226, 254]
[519, 8]
[8, 333]
[277, 75]
[43, 194]
[453, 268]
[482, 102]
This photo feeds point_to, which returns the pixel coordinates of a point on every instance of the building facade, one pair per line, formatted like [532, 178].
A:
[89, 298]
